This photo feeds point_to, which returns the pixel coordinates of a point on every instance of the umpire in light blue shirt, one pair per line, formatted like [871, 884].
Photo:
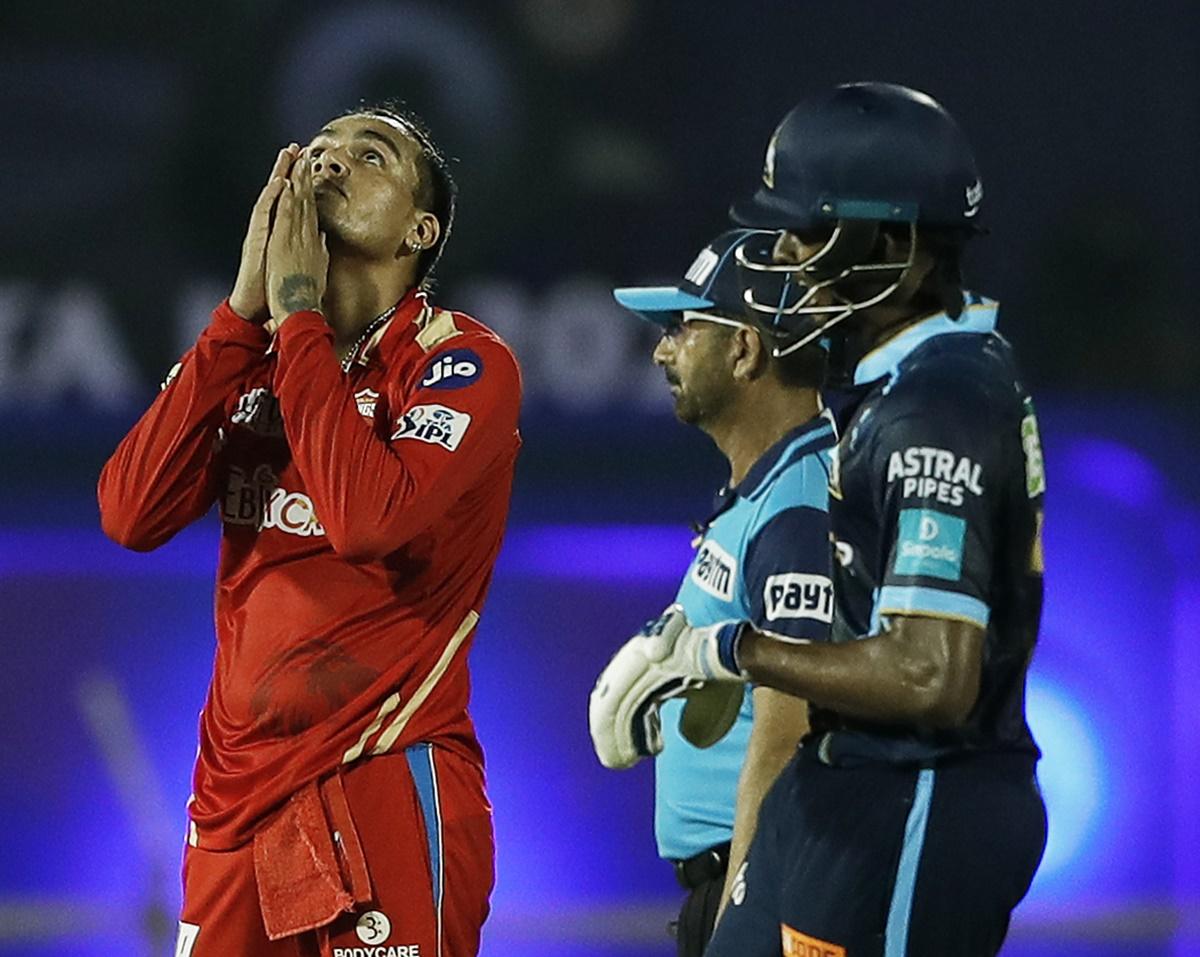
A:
[763, 555]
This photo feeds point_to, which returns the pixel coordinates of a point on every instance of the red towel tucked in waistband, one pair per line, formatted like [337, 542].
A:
[309, 863]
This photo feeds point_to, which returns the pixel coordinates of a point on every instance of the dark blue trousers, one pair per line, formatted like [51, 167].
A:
[887, 861]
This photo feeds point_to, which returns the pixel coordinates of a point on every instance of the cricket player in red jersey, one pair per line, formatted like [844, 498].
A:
[359, 443]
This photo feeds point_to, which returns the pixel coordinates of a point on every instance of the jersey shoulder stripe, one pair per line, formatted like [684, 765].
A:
[438, 326]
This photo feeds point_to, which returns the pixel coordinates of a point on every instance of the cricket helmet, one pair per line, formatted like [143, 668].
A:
[841, 165]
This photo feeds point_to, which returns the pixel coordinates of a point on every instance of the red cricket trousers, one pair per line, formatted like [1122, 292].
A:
[415, 852]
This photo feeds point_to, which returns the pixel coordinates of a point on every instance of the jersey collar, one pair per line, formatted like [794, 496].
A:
[979, 316]
[817, 433]
[407, 318]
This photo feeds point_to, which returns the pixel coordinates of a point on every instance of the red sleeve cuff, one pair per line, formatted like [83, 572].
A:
[299, 327]
[294, 343]
[228, 325]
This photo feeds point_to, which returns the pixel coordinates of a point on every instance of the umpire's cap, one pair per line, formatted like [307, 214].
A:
[710, 283]
[873, 151]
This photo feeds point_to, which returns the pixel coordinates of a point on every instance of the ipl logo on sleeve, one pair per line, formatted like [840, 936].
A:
[434, 424]
[930, 544]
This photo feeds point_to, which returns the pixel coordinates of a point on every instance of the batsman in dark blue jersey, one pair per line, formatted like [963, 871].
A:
[937, 514]
[910, 822]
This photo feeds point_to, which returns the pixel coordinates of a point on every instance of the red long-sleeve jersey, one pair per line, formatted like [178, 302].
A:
[362, 507]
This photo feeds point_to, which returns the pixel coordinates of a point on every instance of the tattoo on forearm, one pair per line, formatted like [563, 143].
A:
[298, 292]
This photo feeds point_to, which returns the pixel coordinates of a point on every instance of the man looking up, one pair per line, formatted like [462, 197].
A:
[359, 443]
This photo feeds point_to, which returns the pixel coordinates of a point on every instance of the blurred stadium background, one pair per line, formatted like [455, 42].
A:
[599, 142]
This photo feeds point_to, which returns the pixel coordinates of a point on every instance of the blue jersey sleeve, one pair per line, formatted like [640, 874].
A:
[939, 464]
[787, 574]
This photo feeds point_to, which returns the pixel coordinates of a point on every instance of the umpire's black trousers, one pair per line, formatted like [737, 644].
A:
[703, 877]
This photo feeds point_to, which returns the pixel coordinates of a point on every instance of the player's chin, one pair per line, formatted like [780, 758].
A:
[687, 410]
[341, 236]
[351, 236]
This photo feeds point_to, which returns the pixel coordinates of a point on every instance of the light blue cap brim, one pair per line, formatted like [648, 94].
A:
[657, 303]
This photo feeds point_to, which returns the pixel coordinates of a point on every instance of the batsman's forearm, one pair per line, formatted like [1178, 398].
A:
[751, 791]
[780, 721]
[876, 679]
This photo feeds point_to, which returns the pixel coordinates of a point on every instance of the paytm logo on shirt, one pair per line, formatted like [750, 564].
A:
[799, 595]
[930, 544]
[714, 570]
[453, 370]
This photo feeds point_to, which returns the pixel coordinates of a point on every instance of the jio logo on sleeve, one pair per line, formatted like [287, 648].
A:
[452, 370]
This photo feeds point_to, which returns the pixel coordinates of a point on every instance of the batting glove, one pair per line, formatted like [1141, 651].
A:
[664, 660]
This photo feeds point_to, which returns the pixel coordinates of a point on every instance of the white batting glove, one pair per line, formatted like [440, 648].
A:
[666, 659]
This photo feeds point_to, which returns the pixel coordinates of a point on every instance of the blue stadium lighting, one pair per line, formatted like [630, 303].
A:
[1075, 780]
[1114, 471]
[599, 553]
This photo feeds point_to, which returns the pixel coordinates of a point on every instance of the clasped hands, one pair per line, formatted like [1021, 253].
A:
[284, 260]
[667, 659]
